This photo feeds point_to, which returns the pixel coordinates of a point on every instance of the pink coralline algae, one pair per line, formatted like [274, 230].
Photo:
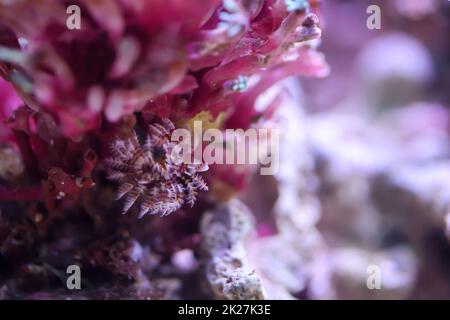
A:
[129, 54]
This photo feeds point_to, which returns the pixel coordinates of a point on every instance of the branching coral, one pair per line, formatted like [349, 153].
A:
[127, 56]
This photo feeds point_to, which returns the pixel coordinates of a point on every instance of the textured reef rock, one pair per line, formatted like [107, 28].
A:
[228, 273]
[290, 259]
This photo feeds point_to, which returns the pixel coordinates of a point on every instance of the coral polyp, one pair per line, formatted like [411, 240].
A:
[150, 172]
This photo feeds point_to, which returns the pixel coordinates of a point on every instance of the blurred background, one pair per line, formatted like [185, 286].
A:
[375, 158]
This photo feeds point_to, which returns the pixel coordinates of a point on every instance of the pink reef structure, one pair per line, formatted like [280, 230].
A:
[175, 57]
[86, 116]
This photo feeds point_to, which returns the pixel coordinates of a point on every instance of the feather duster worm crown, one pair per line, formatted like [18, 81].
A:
[149, 173]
